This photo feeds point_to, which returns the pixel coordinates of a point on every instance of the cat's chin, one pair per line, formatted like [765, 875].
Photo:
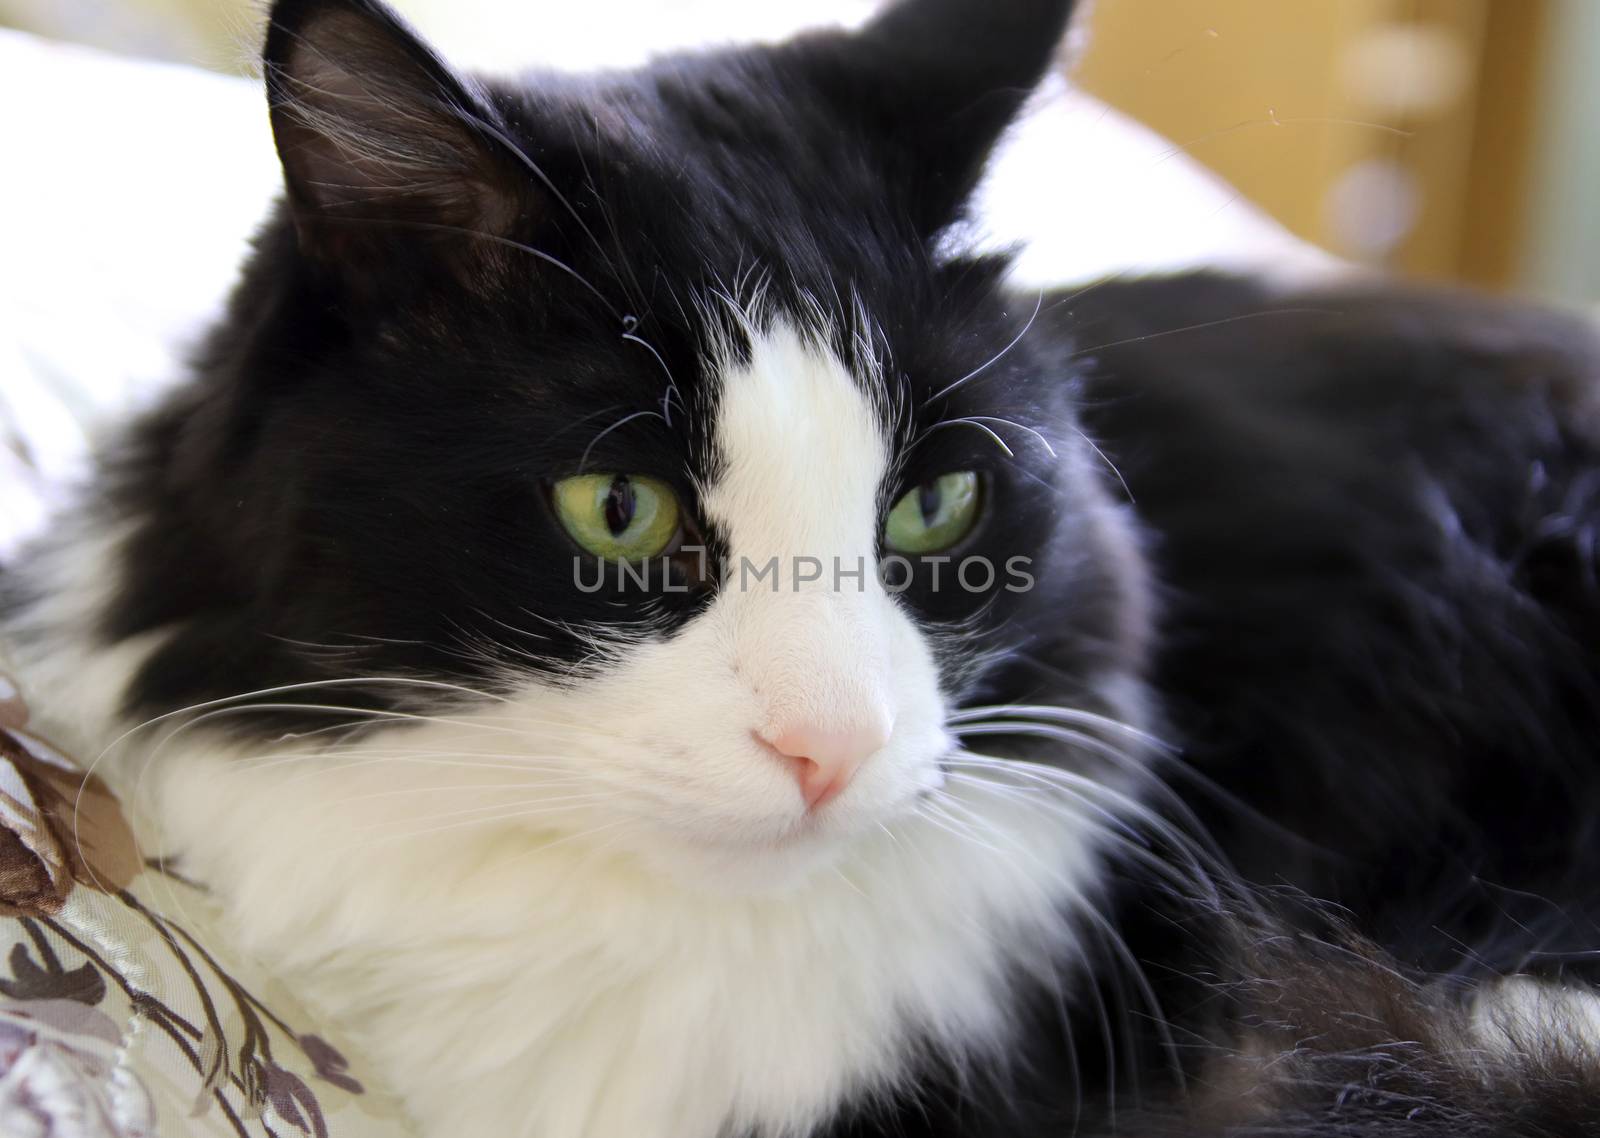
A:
[813, 849]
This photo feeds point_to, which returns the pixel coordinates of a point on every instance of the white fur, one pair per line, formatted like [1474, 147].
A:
[599, 909]
[1520, 1015]
[51, 648]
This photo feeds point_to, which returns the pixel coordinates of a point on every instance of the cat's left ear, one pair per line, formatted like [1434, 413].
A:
[935, 83]
[379, 139]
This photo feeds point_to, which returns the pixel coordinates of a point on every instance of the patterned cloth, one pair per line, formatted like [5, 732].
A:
[121, 1016]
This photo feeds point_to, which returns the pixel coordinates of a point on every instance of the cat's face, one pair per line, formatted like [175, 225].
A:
[633, 431]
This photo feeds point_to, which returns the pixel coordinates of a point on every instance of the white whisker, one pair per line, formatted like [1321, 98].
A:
[996, 358]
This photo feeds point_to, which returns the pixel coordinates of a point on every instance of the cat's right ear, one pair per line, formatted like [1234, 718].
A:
[934, 83]
[379, 139]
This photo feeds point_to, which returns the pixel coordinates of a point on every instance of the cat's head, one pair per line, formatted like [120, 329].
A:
[635, 430]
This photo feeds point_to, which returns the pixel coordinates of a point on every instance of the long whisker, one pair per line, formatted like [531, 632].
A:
[1076, 715]
[577, 837]
[973, 422]
[1202, 325]
[491, 812]
[1044, 442]
[308, 685]
[460, 787]
[1130, 845]
[996, 358]
[583, 461]
[372, 715]
[1205, 862]
[1149, 780]
[507, 815]
[1085, 905]
[1153, 780]
[232, 700]
[516, 151]
[672, 385]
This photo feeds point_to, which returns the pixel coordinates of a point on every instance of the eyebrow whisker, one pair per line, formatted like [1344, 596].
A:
[996, 358]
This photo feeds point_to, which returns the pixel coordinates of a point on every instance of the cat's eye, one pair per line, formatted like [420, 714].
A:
[933, 516]
[621, 517]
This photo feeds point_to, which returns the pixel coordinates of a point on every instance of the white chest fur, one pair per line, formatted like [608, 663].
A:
[517, 983]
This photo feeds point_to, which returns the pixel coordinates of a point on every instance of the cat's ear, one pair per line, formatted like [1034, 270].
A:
[938, 81]
[376, 132]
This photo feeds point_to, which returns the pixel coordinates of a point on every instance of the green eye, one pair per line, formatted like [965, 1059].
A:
[621, 517]
[934, 516]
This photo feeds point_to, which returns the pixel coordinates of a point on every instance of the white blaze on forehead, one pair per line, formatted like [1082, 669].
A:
[802, 449]
[802, 453]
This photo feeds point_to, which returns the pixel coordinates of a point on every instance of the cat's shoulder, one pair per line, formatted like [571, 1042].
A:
[1404, 397]
[1355, 350]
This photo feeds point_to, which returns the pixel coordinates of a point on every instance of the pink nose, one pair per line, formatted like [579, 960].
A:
[827, 758]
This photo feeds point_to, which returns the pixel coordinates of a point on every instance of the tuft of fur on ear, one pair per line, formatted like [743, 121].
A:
[373, 128]
[938, 81]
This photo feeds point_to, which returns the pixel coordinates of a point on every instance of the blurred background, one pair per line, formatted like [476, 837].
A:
[1451, 139]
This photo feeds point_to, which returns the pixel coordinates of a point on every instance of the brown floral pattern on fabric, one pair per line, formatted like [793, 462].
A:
[59, 827]
[13, 712]
[69, 863]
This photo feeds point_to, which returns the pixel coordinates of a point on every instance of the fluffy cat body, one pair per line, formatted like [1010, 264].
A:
[549, 853]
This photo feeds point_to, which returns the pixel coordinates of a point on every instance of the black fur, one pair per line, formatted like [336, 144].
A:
[1374, 512]
[1376, 515]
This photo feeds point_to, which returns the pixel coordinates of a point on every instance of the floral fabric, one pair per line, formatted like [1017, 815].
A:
[120, 1014]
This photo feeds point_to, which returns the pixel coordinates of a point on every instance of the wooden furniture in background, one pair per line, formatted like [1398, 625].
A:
[1396, 132]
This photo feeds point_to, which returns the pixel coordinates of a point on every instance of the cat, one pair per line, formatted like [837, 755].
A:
[650, 640]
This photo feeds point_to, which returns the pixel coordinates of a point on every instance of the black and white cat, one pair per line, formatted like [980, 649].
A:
[651, 642]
